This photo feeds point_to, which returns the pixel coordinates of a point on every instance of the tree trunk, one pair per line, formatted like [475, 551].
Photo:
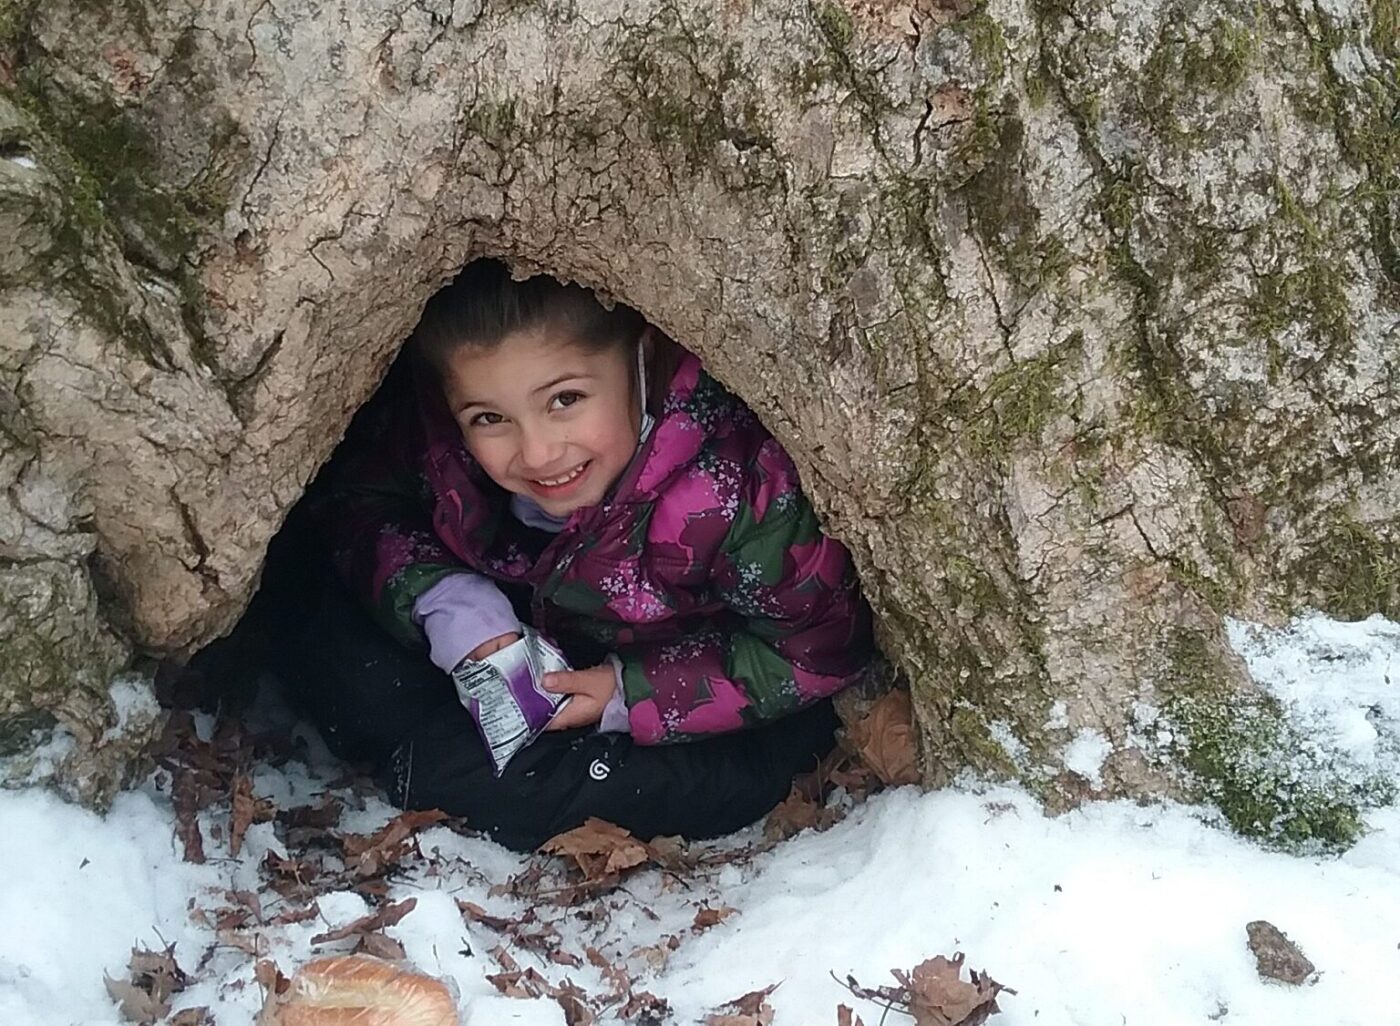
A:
[1079, 318]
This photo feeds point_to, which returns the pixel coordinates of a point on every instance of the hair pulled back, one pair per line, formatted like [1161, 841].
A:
[484, 304]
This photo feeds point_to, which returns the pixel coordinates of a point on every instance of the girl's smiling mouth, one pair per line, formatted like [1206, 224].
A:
[557, 486]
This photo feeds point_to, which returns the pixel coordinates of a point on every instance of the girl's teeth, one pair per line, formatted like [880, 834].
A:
[563, 480]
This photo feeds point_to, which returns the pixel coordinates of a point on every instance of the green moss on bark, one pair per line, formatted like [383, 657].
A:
[1251, 762]
[1350, 572]
[107, 174]
[692, 92]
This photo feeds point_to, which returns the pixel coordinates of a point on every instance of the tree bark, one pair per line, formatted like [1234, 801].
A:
[1079, 318]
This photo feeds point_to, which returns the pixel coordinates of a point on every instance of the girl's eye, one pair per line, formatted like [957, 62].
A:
[478, 422]
[567, 399]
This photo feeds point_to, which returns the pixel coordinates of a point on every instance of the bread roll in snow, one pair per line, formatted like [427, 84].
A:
[358, 990]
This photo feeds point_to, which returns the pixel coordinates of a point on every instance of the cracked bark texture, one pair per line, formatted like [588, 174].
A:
[1078, 316]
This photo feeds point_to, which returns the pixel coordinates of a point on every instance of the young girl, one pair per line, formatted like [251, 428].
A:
[545, 460]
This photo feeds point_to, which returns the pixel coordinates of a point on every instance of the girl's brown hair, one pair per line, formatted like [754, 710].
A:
[484, 304]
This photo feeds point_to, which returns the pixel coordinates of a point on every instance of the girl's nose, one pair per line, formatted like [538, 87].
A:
[539, 453]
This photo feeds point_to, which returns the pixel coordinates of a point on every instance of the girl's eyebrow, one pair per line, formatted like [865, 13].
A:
[468, 404]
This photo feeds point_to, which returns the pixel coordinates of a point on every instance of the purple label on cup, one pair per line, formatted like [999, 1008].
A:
[505, 695]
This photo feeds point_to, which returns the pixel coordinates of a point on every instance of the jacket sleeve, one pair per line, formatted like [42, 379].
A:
[374, 513]
[796, 627]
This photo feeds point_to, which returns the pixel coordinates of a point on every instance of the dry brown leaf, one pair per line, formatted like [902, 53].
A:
[296, 915]
[645, 1003]
[656, 955]
[241, 809]
[708, 917]
[846, 1017]
[380, 946]
[796, 813]
[601, 849]
[153, 977]
[504, 959]
[245, 810]
[397, 829]
[474, 913]
[198, 1016]
[752, 1009]
[886, 741]
[616, 975]
[270, 977]
[574, 1002]
[520, 983]
[136, 1005]
[385, 915]
[938, 996]
[245, 941]
[368, 857]
[185, 801]
[319, 817]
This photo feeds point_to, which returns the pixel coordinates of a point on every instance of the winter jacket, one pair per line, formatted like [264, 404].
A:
[704, 569]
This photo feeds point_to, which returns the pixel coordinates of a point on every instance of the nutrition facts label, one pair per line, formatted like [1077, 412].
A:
[502, 722]
[504, 695]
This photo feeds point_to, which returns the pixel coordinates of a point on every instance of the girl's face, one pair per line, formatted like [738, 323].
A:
[544, 417]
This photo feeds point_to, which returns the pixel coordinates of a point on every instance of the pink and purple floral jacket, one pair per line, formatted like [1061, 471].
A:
[704, 570]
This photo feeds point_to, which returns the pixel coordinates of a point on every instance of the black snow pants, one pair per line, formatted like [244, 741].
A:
[378, 702]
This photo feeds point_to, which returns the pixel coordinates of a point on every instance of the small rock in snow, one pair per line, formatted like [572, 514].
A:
[1275, 956]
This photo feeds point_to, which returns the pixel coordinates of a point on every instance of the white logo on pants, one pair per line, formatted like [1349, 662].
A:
[599, 770]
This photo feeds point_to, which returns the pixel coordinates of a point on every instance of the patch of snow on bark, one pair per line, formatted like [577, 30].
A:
[1086, 753]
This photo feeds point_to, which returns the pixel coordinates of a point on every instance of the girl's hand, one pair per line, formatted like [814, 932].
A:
[592, 690]
[497, 643]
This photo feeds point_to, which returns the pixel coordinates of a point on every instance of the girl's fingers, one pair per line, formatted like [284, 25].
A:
[571, 716]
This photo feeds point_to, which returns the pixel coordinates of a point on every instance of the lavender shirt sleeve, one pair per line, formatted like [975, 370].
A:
[459, 613]
[615, 719]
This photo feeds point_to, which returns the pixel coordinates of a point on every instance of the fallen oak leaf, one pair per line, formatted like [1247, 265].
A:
[645, 1003]
[185, 801]
[599, 848]
[794, 814]
[270, 977]
[320, 817]
[391, 833]
[136, 1005]
[245, 941]
[751, 1009]
[474, 913]
[574, 1002]
[380, 946]
[247, 899]
[938, 996]
[244, 810]
[520, 983]
[385, 915]
[504, 959]
[369, 856]
[885, 739]
[708, 917]
[616, 975]
[296, 915]
[656, 955]
[152, 978]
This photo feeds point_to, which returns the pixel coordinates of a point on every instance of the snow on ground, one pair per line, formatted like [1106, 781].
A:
[1109, 915]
